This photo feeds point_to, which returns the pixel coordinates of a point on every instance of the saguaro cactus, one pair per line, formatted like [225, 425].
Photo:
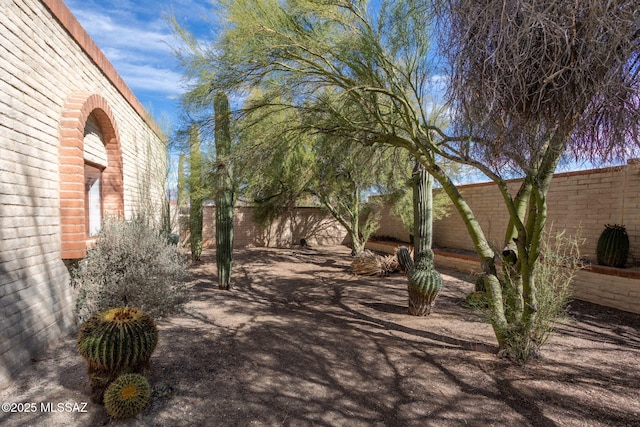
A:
[224, 192]
[195, 193]
[424, 281]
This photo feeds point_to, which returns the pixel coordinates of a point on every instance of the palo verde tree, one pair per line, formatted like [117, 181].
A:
[289, 164]
[224, 191]
[273, 164]
[530, 82]
[344, 173]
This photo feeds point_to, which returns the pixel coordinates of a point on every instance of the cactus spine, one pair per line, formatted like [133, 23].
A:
[116, 341]
[422, 209]
[127, 396]
[405, 260]
[613, 246]
[224, 193]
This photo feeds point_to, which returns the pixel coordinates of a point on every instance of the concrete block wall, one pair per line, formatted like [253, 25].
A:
[581, 203]
[309, 223]
[390, 225]
[611, 290]
[46, 59]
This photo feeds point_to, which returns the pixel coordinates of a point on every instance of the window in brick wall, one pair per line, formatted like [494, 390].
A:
[93, 199]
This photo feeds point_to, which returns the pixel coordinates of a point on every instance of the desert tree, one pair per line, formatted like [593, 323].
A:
[530, 81]
[291, 164]
[345, 175]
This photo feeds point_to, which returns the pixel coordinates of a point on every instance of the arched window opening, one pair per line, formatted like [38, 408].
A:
[91, 180]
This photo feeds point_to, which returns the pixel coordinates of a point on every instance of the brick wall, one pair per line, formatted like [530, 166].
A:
[47, 59]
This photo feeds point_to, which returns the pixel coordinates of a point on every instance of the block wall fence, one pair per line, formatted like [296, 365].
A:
[52, 78]
[313, 224]
[580, 202]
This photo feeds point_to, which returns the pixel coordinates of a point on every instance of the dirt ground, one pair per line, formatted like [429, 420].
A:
[300, 341]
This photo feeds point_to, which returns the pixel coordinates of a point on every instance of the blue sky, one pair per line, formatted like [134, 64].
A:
[138, 40]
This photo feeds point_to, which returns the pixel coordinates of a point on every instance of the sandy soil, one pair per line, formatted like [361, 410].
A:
[301, 341]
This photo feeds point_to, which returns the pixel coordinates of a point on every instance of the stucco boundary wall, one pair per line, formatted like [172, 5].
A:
[313, 224]
[581, 203]
[52, 78]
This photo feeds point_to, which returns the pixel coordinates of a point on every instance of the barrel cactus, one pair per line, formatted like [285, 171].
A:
[127, 396]
[116, 341]
[118, 338]
[613, 246]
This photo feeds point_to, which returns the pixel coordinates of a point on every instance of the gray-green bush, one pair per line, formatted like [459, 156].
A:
[558, 264]
[131, 264]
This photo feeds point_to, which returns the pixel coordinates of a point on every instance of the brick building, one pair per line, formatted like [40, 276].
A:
[75, 146]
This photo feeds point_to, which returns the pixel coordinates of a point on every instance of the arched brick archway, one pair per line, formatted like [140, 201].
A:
[72, 191]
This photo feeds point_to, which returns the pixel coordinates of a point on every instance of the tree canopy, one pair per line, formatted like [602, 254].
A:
[528, 82]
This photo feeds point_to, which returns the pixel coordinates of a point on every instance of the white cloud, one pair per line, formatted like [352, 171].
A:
[140, 50]
[125, 35]
[149, 78]
[138, 40]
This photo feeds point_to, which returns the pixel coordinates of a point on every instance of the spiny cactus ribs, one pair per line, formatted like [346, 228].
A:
[225, 194]
[613, 246]
[127, 396]
[118, 338]
[425, 282]
[116, 341]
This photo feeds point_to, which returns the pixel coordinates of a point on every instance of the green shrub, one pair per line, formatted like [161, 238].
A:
[131, 264]
[555, 269]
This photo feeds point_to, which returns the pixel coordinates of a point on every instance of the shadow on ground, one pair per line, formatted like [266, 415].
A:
[300, 341]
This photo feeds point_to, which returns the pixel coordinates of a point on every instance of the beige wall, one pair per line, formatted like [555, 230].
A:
[579, 202]
[390, 225]
[46, 60]
[582, 201]
[312, 224]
